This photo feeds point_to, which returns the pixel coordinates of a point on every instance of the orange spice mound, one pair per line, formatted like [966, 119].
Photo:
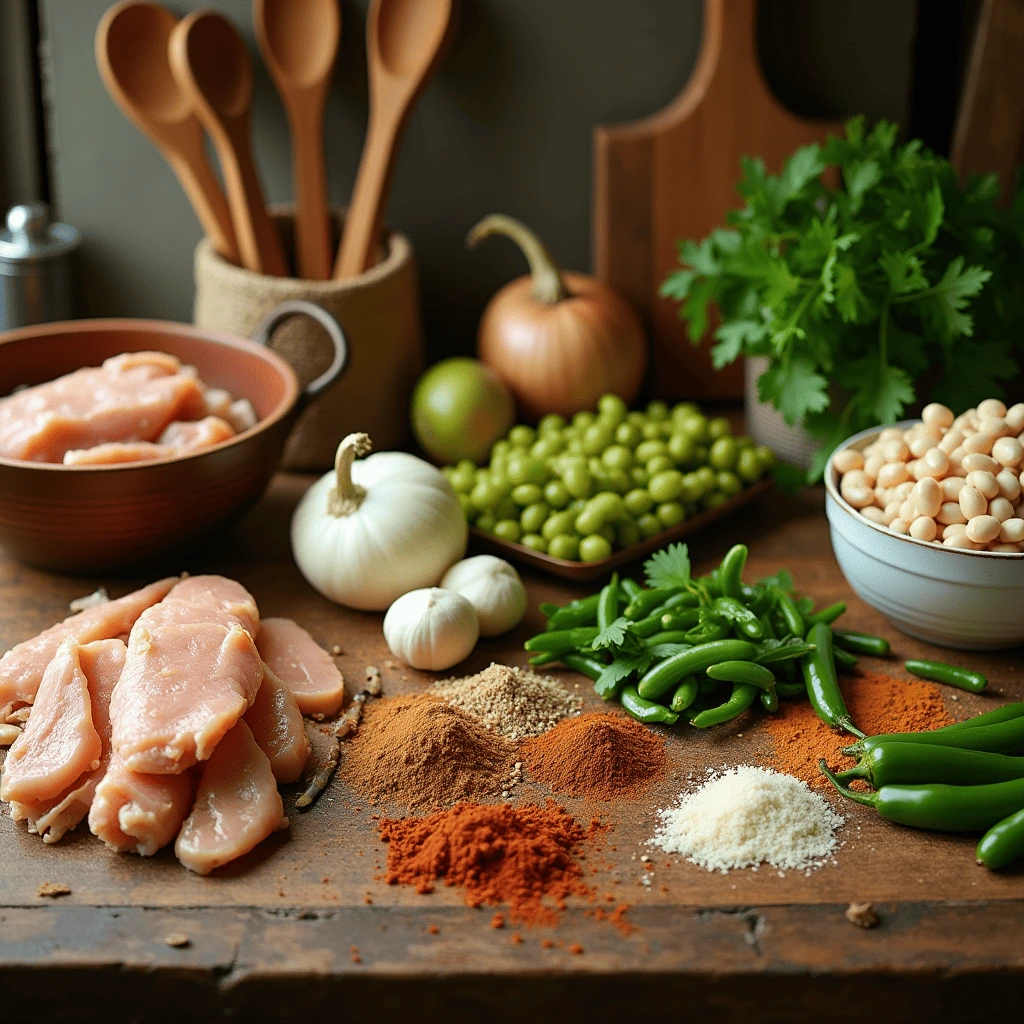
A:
[500, 854]
[876, 702]
[599, 756]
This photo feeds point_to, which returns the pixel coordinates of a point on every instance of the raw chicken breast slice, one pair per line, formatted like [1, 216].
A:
[304, 666]
[22, 667]
[135, 813]
[101, 662]
[276, 724]
[217, 599]
[183, 687]
[60, 742]
[190, 437]
[158, 364]
[237, 805]
[177, 440]
[115, 453]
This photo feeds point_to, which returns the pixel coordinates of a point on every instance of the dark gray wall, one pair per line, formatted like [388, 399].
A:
[506, 126]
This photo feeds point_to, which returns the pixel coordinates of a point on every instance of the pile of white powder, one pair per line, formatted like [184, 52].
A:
[747, 816]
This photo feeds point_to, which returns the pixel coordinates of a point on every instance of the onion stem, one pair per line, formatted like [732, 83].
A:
[347, 496]
[548, 287]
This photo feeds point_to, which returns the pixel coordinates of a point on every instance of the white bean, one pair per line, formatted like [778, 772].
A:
[950, 513]
[982, 529]
[856, 478]
[979, 442]
[1015, 417]
[1009, 485]
[954, 530]
[1007, 451]
[848, 459]
[903, 490]
[858, 495]
[1012, 531]
[927, 498]
[923, 528]
[872, 465]
[956, 461]
[964, 423]
[908, 511]
[1001, 509]
[875, 514]
[984, 482]
[900, 526]
[895, 450]
[938, 414]
[995, 427]
[951, 487]
[920, 445]
[891, 434]
[975, 460]
[1007, 549]
[892, 473]
[951, 440]
[936, 460]
[960, 540]
[972, 502]
[891, 512]
[991, 407]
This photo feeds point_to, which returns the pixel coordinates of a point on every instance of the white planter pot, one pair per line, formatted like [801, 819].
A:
[766, 425]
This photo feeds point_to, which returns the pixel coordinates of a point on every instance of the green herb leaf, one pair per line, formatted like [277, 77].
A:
[769, 652]
[613, 635]
[669, 567]
[795, 390]
[661, 651]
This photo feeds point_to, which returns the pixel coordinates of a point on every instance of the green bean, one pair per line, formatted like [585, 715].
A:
[827, 615]
[741, 698]
[940, 672]
[671, 636]
[645, 710]
[631, 588]
[680, 618]
[819, 672]
[664, 676]
[791, 689]
[646, 627]
[1003, 843]
[790, 615]
[643, 604]
[730, 572]
[582, 612]
[581, 663]
[608, 603]
[742, 672]
[739, 614]
[545, 659]
[708, 632]
[685, 694]
[844, 659]
[562, 641]
[770, 700]
[861, 643]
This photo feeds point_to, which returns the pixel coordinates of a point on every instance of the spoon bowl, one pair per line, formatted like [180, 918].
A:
[406, 36]
[299, 39]
[220, 65]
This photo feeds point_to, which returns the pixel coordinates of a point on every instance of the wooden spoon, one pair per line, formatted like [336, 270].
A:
[405, 41]
[299, 42]
[212, 68]
[131, 53]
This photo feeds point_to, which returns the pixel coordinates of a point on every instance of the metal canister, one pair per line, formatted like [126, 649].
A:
[37, 280]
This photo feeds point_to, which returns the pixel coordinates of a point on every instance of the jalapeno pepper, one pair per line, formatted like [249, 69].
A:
[645, 710]
[562, 641]
[582, 612]
[1003, 843]
[819, 672]
[661, 678]
[739, 614]
[844, 659]
[643, 604]
[940, 672]
[940, 807]
[743, 672]
[730, 572]
[581, 663]
[790, 615]
[1001, 738]
[685, 694]
[895, 763]
[827, 615]
[861, 643]
[740, 699]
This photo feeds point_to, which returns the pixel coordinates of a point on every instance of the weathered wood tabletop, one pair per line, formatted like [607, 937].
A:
[272, 936]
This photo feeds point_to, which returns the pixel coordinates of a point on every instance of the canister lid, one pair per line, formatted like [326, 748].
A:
[31, 238]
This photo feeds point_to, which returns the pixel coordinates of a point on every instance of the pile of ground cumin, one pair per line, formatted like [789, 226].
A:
[419, 752]
[599, 756]
[877, 704]
[525, 857]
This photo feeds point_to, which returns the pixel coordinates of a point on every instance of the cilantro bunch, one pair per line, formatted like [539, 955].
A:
[866, 274]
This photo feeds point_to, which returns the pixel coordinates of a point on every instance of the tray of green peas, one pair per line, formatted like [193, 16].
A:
[582, 497]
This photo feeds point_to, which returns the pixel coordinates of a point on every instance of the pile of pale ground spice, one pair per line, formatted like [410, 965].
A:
[513, 702]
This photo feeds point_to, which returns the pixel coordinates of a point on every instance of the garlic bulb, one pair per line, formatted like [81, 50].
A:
[431, 629]
[373, 530]
[493, 588]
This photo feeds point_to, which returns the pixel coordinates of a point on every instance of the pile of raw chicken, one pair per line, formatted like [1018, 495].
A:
[168, 715]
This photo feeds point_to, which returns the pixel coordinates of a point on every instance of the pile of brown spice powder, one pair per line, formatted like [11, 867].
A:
[518, 856]
[422, 753]
[598, 756]
[877, 704]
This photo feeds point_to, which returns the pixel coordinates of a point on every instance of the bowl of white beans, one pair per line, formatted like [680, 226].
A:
[927, 523]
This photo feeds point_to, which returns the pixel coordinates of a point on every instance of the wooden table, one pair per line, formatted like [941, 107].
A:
[271, 936]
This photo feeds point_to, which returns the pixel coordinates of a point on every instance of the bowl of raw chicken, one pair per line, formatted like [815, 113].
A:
[124, 441]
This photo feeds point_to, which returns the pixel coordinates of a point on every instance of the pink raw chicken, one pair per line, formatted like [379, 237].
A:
[179, 439]
[237, 805]
[101, 662]
[132, 397]
[183, 687]
[22, 667]
[206, 599]
[276, 724]
[60, 742]
[304, 666]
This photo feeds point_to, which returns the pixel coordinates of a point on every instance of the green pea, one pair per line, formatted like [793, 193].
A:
[680, 448]
[486, 522]
[463, 481]
[499, 464]
[748, 466]
[649, 524]
[608, 532]
[582, 420]
[446, 472]
[700, 455]
[522, 469]
[666, 486]
[617, 456]
[467, 506]
[767, 457]
[670, 513]
[638, 501]
[693, 488]
[640, 476]
[506, 509]
[575, 446]
[526, 494]
[744, 442]
[706, 475]
[596, 438]
[564, 546]
[484, 496]
[647, 450]
[637, 418]
[627, 533]
[547, 446]
[610, 504]
[714, 499]
[659, 464]
[590, 520]
[535, 542]
[577, 505]
[500, 448]
[651, 431]
[628, 434]
[534, 516]
[613, 407]
[723, 453]
[521, 436]
[594, 548]
[550, 424]
[555, 494]
[695, 427]
[718, 427]
[684, 409]
[619, 481]
[557, 524]
[728, 482]
[508, 529]
[657, 410]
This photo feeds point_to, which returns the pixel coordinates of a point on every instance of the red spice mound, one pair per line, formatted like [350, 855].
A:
[499, 854]
[598, 756]
[877, 703]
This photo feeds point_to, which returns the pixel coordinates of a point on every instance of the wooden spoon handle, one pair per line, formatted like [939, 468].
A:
[309, 171]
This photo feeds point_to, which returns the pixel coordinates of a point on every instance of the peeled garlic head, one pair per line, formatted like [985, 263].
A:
[493, 588]
[431, 629]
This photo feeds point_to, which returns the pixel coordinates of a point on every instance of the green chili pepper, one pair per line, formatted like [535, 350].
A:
[819, 672]
[548, 609]
[940, 672]
[582, 612]
[770, 700]
[1003, 714]
[645, 627]
[770, 632]
[741, 698]
[1003, 843]
[730, 572]
[544, 659]
[645, 710]
[739, 614]
[790, 616]
[827, 615]
[791, 689]
[664, 676]
[743, 672]
[707, 632]
[940, 807]
[562, 641]
[888, 764]
[764, 601]
[581, 663]
[608, 603]
[631, 588]
[783, 655]
[680, 618]
[671, 636]
[708, 685]
[861, 643]
[685, 694]
[1001, 738]
[844, 659]
[643, 604]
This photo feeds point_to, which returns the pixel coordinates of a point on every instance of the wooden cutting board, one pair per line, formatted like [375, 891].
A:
[672, 176]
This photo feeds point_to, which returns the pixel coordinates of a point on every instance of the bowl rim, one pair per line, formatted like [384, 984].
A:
[861, 440]
[120, 324]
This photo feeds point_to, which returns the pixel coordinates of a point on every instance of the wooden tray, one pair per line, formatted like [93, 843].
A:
[581, 571]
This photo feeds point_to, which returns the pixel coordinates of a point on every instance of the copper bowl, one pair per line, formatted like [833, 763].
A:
[103, 518]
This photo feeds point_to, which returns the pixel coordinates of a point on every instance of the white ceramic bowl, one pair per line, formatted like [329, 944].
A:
[970, 600]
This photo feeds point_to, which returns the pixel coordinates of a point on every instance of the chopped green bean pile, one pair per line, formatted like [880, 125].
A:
[709, 647]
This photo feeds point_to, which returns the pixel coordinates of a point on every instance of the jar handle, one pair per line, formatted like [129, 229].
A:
[300, 307]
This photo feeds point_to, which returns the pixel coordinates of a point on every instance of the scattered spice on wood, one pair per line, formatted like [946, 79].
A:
[372, 684]
[53, 890]
[516, 938]
[498, 921]
[616, 917]
[177, 940]
[519, 856]
[877, 703]
[863, 915]
[322, 777]
[422, 753]
[598, 756]
[547, 944]
[433, 929]
[576, 949]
